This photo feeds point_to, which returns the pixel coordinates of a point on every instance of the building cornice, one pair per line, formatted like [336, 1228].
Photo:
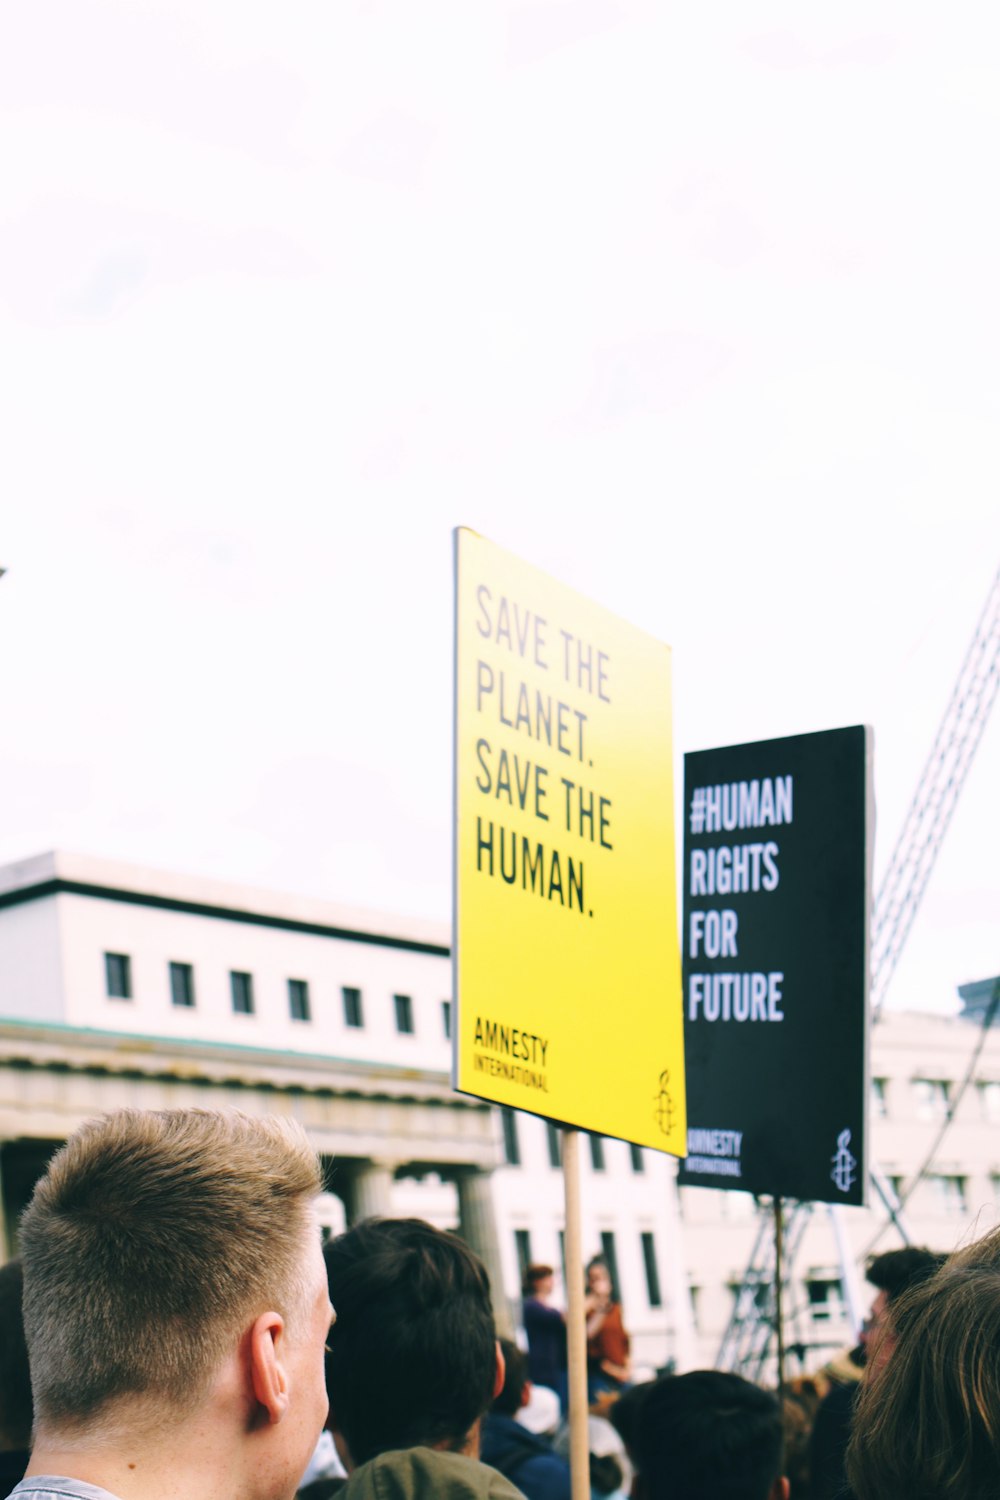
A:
[54, 1048]
[61, 886]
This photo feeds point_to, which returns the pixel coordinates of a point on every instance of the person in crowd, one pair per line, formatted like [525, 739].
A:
[891, 1274]
[15, 1381]
[413, 1363]
[610, 1470]
[608, 1363]
[175, 1310]
[545, 1329]
[527, 1460]
[709, 1435]
[801, 1398]
[623, 1415]
[927, 1424]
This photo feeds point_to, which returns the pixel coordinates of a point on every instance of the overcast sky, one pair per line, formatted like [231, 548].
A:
[693, 306]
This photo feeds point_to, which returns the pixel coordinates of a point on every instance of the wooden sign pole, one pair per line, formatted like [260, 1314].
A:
[779, 1312]
[576, 1323]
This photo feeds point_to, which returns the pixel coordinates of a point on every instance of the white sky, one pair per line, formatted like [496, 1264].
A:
[694, 306]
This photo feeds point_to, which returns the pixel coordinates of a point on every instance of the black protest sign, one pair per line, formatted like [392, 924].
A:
[775, 963]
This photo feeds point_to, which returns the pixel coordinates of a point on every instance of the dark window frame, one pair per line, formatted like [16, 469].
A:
[181, 984]
[354, 1007]
[299, 1006]
[654, 1291]
[511, 1143]
[241, 992]
[609, 1254]
[118, 976]
[403, 1006]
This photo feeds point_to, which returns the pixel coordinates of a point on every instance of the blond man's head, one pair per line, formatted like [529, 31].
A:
[153, 1240]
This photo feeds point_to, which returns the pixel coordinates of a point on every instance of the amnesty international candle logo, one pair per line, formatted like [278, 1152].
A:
[567, 976]
[664, 1114]
[844, 1174]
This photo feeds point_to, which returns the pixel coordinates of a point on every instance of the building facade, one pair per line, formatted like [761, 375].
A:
[126, 986]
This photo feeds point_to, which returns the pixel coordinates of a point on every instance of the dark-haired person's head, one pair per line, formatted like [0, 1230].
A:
[709, 1435]
[15, 1380]
[623, 1415]
[413, 1359]
[927, 1424]
[516, 1384]
[891, 1275]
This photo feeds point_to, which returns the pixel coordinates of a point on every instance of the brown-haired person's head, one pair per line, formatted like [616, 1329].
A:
[173, 1276]
[538, 1280]
[413, 1358]
[927, 1424]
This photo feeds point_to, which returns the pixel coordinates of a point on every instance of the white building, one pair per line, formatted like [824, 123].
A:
[121, 985]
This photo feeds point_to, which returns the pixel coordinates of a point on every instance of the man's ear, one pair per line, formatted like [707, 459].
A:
[267, 1371]
[780, 1489]
[343, 1451]
[501, 1374]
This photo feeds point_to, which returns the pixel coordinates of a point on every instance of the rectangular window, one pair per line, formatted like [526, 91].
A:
[562, 1253]
[652, 1270]
[931, 1096]
[446, 1019]
[555, 1144]
[181, 984]
[511, 1145]
[638, 1161]
[597, 1153]
[610, 1255]
[298, 1000]
[242, 990]
[826, 1301]
[989, 1095]
[404, 1014]
[353, 1012]
[118, 973]
[950, 1193]
[879, 1098]
[522, 1243]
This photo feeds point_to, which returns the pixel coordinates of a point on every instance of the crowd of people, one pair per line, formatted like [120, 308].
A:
[188, 1336]
[609, 1366]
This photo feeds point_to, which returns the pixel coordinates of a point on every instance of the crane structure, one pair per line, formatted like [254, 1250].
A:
[747, 1340]
[926, 822]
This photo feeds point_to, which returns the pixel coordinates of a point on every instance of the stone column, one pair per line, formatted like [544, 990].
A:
[478, 1227]
[370, 1191]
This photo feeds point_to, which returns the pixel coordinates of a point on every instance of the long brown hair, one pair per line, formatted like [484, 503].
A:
[927, 1425]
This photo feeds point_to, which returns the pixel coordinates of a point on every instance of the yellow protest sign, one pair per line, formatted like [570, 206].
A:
[567, 965]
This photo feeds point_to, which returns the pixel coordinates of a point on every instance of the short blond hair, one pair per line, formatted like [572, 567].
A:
[151, 1243]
